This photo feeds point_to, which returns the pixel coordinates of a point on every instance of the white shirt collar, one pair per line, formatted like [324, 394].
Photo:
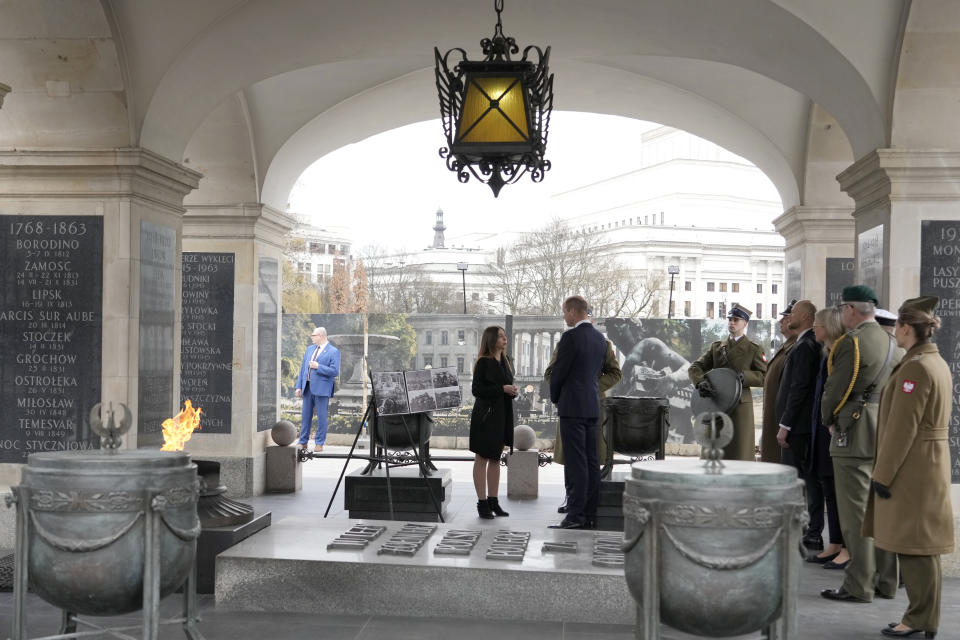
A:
[581, 322]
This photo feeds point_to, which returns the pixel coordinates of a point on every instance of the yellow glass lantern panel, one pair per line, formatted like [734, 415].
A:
[493, 111]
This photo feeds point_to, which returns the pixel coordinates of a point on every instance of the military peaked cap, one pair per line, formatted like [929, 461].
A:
[859, 293]
[789, 308]
[885, 318]
[738, 311]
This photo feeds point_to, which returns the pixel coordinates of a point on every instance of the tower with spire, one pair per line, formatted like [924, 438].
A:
[438, 230]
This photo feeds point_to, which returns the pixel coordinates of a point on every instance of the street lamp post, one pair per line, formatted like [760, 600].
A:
[673, 270]
[462, 267]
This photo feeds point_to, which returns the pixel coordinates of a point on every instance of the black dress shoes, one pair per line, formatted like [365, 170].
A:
[841, 595]
[813, 543]
[835, 565]
[891, 630]
[822, 559]
[880, 594]
[568, 524]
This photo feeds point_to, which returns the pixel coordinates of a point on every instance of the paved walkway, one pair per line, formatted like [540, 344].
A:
[818, 618]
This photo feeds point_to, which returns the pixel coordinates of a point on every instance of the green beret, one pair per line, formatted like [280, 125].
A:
[923, 303]
[859, 293]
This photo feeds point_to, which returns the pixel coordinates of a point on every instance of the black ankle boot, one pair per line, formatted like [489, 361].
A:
[483, 509]
[494, 506]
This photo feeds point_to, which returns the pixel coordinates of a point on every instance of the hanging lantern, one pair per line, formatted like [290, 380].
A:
[496, 112]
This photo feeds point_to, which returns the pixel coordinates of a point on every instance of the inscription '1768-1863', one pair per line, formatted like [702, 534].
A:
[51, 275]
[940, 276]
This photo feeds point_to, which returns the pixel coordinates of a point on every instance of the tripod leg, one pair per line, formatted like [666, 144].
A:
[423, 471]
[347, 461]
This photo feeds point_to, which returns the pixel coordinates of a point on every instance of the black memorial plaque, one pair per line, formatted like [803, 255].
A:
[51, 270]
[840, 273]
[158, 253]
[268, 303]
[870, 259]
[206, 337]
[940, 276]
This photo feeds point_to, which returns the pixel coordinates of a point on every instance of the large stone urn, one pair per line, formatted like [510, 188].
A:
[713, 552]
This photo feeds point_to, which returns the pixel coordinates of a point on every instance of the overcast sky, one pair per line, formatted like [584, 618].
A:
[387, 188]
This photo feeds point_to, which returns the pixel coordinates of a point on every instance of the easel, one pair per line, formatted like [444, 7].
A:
[381, 456]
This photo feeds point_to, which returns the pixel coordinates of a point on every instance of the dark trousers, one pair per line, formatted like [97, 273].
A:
[581, 471]
[797, 455]
[830, 499]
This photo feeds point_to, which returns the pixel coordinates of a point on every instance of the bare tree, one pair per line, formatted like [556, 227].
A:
[339, 290]
[537, 273]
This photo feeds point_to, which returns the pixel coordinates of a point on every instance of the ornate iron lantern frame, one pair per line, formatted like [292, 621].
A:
[496, 162]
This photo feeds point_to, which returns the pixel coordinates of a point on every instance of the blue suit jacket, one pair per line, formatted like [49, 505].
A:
[573, 381]
[321, 378]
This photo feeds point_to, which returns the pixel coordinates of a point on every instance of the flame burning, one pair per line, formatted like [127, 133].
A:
[178, 429]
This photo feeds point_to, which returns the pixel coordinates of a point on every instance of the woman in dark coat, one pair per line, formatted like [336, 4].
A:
[491, 423]
[828, 328]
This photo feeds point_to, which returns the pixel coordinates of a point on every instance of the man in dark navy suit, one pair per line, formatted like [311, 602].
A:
[574, 389]
[321, 364]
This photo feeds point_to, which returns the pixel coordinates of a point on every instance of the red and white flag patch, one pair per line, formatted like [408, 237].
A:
[908, 386]
[764, 356]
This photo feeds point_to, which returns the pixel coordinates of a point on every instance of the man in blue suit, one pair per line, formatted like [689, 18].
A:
[574, 389]
[321, 364]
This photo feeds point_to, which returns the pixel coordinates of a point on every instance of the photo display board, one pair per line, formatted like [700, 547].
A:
[399, 392]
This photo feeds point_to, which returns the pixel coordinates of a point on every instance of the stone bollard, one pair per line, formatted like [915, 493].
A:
[522, 474]
[284, 471]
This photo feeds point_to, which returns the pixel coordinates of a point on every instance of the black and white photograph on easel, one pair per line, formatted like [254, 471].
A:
[446, 387]
[391, 392]
[418, 380]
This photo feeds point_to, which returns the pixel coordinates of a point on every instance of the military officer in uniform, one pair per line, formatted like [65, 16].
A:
[857, 368]
[742, 355]
[909, 510]
[769, 448]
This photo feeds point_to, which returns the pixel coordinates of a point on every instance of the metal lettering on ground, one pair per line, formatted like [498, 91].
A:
[457, 542]
[508, 545]
[607, 550]
[408, 540]
[356, 537]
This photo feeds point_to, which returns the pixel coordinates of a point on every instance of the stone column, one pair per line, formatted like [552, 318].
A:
[245, 241]
[94, 314]
[820, 241]
[908, 244]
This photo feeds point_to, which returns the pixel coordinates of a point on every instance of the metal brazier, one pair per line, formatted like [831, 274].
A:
[637, 425]
[713, 554]
[97, 524]
[402, 431]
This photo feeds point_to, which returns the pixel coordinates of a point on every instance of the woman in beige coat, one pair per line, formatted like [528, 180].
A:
[909, 507]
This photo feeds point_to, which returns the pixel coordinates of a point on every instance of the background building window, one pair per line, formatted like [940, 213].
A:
[686, 309]
[429, 337]
[459, 365]
[723, 310]
[490, 297]
[759, 311]
[688, 286]
[443, 361]
[773, 310]
[735, 287]
[723, 287]
[474, 296]
[773, 288]
[427, 361]
[710, 286]
[444, 338]
[461, 336]
[709, 309]
[759, 287]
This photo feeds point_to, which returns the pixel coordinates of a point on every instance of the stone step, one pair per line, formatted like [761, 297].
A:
[288, 567]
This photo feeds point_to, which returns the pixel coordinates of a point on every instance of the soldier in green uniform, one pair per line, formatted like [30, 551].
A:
[909, 510]
[857, 368]
[741, 354]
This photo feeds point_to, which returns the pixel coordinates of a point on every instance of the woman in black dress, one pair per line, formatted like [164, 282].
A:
[491, 423]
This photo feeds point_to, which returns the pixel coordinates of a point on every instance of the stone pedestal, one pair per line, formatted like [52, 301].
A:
[214, 540]
[244, 386]
[127, 205]
[284, 471]
[523, 478]
[610, 506]
[366, 496]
